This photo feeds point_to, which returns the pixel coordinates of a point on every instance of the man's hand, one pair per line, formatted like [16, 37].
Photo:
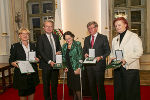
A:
[52, 64]
[15, 64]
[86, 55]
[58, 53]
[37, 59]
[99, 58]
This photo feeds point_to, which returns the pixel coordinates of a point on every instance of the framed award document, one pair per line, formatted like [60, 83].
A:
[119, 54]
[58, 64]
[91, 59]
[32, 56]
[25, 67]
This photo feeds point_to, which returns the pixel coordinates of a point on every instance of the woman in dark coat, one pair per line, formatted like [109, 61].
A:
[72, 53]
[26, 82]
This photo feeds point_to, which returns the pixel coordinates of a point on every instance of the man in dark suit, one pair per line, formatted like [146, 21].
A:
[96, 72]
[48, 47]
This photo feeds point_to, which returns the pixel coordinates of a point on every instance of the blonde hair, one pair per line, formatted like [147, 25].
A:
[23, 29]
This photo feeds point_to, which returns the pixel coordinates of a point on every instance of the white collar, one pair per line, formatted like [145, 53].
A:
[95, 35]
[49, 34]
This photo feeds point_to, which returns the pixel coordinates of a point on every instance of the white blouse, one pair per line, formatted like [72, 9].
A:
[27, 50]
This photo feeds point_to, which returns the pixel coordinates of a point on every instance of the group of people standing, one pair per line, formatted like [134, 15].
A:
[126, 78]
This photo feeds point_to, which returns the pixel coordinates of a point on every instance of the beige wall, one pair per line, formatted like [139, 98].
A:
[77, 13]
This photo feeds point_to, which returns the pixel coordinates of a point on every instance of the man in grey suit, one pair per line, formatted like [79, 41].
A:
[96, 72]
[48, 47]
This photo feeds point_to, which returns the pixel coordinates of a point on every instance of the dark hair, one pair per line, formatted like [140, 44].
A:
[122, 19]
[92, 23]
[68, 33]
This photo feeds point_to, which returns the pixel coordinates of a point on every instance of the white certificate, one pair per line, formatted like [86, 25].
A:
[25, 67]
[58, 59]
[92, 53]
[32, 56]
[119, 54]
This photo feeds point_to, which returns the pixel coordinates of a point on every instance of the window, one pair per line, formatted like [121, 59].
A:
[38, 11]
[120, 3]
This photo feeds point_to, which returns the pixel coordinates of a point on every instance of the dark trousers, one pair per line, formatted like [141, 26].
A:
[126, 84]
[50, 77]
[96, 80]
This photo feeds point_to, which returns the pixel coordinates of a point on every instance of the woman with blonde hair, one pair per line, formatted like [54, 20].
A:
[24, 82]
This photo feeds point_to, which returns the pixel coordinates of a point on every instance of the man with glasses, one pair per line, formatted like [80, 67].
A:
[96, 72]
[48, 47]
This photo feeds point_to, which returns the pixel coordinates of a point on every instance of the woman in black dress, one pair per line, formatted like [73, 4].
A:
[72, 53]
[25, 83]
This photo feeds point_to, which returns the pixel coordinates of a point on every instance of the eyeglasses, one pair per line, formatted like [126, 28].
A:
[91, 28]
[48, 26]
[68, 39]
[24, 33]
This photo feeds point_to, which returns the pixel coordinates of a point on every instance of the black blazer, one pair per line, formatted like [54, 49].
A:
[45, 50]
[101, 46]
[20, 80]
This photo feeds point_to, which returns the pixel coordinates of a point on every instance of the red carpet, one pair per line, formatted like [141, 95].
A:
[12, 94]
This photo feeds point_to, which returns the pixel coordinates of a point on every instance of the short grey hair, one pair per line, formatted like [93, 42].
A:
[49, 20]
[92, 23]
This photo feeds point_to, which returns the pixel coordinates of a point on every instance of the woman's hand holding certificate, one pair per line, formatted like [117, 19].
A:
[25, 67]
[114, 64]
[117, 61]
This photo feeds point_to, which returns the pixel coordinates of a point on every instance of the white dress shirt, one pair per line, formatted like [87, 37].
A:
[48, 36]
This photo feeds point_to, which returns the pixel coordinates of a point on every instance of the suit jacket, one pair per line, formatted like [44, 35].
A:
[131, 46]
[75, 54]
[101, 46]
[20, 80]
[45, 50]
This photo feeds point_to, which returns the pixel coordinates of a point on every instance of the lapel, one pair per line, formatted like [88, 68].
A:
[32, 47]
[89, 41]
[117, 43]
[21, 50]
[72, 48]
[126, 38]
[47, 41]
[54, 38]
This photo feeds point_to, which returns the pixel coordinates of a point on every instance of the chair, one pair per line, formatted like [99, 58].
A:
[3, 68]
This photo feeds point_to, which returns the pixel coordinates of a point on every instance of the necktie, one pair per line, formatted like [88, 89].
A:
[92, 42]
[52, 45]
